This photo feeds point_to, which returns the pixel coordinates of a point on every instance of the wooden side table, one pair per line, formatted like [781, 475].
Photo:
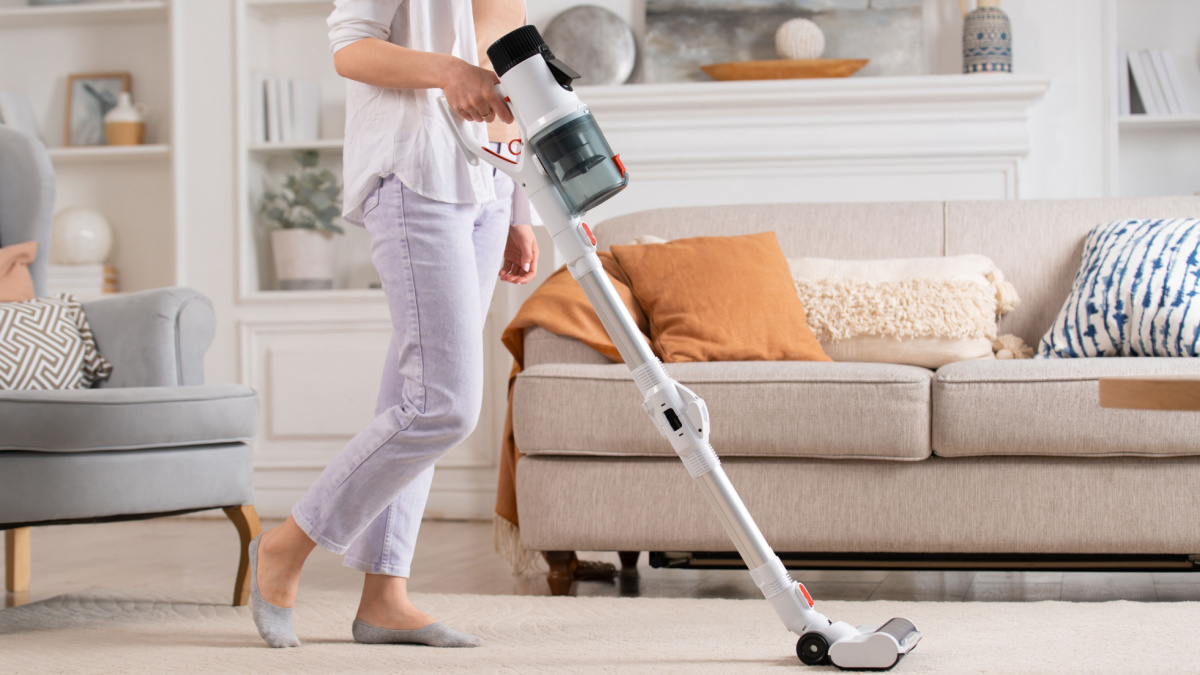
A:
[1160, 392]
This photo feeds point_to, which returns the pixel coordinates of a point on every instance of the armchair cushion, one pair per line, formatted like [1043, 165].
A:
[132, 418]
[16, 285]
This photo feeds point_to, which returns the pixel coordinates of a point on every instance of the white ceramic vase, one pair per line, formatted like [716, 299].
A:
[125, 124]
[305, 259]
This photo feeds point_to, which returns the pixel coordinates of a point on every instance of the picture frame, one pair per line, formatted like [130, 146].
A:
[89, 97]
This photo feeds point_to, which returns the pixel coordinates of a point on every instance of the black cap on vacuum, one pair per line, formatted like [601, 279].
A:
[523, 43]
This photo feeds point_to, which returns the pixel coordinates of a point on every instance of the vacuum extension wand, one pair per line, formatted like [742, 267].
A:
[568, 168]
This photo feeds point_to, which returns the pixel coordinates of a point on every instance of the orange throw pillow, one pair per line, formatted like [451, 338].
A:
[720, 299]
[15, 283]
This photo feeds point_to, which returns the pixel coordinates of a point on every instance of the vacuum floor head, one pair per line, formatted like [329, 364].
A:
[871, 648]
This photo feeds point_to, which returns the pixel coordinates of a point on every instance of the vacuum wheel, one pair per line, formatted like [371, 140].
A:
[813, 649]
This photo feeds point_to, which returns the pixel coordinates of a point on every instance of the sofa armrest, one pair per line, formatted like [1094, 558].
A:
[154, 338]
[542, 346]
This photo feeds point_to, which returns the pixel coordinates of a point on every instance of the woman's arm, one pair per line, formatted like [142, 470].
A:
[495, 19]
[359, 31]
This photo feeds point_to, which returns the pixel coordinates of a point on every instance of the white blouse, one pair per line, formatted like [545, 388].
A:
[400, 131]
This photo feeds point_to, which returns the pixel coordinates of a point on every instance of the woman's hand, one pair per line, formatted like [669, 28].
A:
[471, 92]
[520, 255]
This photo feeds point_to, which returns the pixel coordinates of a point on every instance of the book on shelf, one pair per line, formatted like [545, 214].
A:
[1124, 103]
[285, 110]
[82, 281]
[1148, 83]
[1172, 69]
[258, 108]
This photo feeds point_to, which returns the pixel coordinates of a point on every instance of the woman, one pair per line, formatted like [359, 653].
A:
[440, 231]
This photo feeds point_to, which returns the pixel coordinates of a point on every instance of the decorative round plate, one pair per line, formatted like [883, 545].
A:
[595, 42]
[784, 69]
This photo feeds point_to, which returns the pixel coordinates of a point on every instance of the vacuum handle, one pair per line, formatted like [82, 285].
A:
[469, 150]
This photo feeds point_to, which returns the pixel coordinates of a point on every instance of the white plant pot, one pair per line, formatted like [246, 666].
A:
[304, 259]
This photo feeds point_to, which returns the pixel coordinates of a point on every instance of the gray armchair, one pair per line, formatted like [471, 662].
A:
[152, 439]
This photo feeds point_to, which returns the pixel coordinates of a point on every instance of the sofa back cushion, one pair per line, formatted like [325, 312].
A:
[880, 230]
[1039, 244]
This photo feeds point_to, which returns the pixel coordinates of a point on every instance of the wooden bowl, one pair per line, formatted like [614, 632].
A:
[784, 69]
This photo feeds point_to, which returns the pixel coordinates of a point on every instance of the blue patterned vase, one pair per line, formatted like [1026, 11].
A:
[987, 41]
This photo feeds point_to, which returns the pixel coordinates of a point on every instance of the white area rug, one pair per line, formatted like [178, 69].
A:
[180, 631]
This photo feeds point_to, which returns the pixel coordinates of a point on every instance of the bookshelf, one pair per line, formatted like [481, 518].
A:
[135, 187]
[289, 39]
[1155, 154]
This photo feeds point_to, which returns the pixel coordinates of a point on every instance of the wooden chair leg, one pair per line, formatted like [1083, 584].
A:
[562, 571]
[245, 519]
[628, 561]
[17, 559]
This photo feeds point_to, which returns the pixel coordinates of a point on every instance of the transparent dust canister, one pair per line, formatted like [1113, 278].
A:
[579, 161]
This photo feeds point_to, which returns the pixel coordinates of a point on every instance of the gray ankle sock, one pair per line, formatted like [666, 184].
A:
[274, 623]
[434, 635]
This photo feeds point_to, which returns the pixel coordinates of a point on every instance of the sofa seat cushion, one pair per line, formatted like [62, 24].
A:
[1052, 407]
[758, 408]
[86, 420]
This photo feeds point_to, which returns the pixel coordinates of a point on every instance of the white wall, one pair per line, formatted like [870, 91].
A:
[206, 141]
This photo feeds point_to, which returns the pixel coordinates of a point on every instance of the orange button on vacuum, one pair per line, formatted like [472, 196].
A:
[620, 165]
[589, 233]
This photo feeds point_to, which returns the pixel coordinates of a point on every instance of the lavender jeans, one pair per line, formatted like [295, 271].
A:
[438, 263]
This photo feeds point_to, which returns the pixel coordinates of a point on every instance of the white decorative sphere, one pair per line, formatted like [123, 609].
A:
[799, 39]
[79, 236]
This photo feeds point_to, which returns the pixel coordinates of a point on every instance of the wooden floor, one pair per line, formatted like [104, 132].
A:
[457, 557]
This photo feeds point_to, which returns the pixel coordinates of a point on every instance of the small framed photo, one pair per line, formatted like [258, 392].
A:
[89, 97]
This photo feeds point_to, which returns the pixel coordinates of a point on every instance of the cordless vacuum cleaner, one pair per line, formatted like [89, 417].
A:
[567, 168]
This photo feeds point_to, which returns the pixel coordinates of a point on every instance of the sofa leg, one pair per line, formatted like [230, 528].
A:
[562, 571]
[629, 561]
[245, 519]
[17, 559]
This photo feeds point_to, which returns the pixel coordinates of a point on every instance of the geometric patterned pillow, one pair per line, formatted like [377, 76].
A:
[46, 343]
[1134, 293]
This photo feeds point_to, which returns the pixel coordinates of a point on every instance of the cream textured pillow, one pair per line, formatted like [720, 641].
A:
[917, 311]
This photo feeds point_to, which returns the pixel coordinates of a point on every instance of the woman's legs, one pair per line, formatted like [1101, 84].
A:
[385, 549]
[438, 263]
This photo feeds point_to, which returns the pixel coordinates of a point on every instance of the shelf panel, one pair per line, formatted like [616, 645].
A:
[290, 7]
[83, 13]
[1159, 122]
[323, 145]
[109, 153]
[334, 295]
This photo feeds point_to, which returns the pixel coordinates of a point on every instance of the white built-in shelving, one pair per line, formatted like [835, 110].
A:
[1159, 122]
[289, 39]
[322, 145]
[102, 154]
[1156, 154]
[23, 16]
[133, 186]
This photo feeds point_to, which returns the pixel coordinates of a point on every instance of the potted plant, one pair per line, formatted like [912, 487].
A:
[306, 212]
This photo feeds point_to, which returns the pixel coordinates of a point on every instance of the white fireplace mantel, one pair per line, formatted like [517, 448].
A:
[852, 139]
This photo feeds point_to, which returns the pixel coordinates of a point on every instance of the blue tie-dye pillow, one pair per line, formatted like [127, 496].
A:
[1134, 293]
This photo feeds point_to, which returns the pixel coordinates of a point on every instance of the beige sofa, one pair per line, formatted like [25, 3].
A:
[981, 463]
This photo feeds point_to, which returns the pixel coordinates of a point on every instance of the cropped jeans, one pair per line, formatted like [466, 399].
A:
[438, 263]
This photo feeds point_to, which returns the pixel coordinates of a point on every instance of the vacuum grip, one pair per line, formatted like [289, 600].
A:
[469, 151]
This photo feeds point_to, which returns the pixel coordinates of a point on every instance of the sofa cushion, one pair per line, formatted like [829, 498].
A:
[758, 408]
[719, 299]
[1052, 407]
[85, 420]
